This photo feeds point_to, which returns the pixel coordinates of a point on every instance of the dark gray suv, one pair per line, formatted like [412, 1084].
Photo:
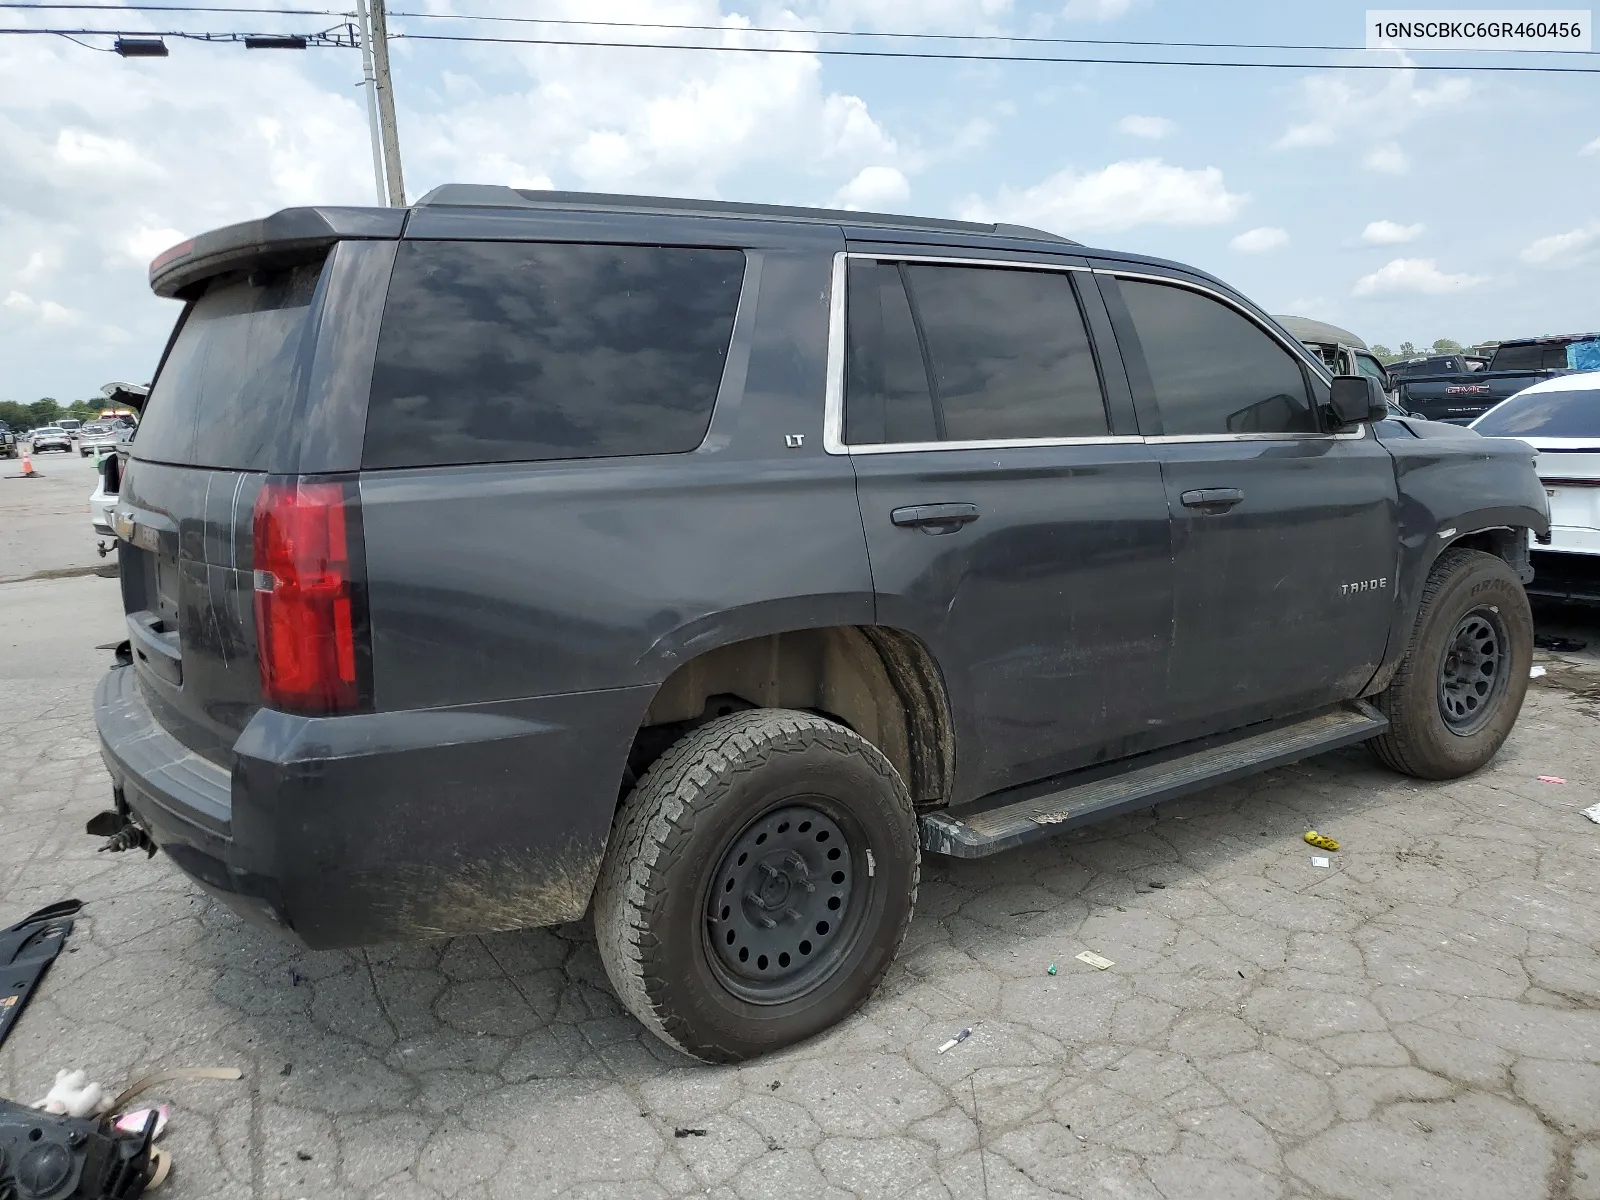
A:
[520, 552]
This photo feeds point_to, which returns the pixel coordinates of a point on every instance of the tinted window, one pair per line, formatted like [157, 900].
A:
[1009, 353]
[1531, 357]
[223, 392]
[505, 352]
[1569, 414]
[1214, 370]
[886, 382]
[963, 354]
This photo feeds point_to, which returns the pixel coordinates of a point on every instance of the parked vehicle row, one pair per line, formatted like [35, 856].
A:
[711, 561]
[1560, 418]
[1459, 396]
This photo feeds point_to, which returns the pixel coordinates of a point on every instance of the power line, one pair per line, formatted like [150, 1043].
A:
[1018, 39]
[825, 52]
[343, 37]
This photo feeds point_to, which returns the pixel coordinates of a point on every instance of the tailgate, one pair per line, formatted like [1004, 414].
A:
[188, 593]
[219, 414]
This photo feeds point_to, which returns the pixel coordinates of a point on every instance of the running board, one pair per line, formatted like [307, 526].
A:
[1000, 822]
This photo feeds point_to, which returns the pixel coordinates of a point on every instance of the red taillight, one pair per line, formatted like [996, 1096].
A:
[170, 254]
[311, 628]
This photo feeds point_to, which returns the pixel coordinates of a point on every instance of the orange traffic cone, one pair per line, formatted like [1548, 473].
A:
[27, 465]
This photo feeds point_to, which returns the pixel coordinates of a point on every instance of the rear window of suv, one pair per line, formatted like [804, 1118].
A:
[517, 352]
[224, 389]
[1534, 356]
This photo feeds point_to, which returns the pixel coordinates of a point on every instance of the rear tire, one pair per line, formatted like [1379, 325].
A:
[1458, 690]
[759, 882]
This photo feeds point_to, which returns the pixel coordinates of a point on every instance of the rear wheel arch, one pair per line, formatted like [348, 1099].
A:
[879, 681]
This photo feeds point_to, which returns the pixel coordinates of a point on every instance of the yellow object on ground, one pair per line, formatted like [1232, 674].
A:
[1321, 841]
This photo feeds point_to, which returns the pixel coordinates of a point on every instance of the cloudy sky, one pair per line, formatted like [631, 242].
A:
[1405, 205]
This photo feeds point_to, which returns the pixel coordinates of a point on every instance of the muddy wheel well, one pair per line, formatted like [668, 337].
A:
[882, 683]
[1508, 544]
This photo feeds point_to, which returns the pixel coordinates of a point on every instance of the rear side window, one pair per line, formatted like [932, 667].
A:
[1534, 356]
[515, 352]
[958, 354]
[224, 390]
[1574, 413]
[1214, 370]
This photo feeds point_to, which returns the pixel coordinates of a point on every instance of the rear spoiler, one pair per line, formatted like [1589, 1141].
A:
[288, 236]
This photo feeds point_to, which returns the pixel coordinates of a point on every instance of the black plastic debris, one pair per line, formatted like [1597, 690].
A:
[26, 951]
[71, 1158]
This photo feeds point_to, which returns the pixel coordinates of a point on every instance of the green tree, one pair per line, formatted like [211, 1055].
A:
[44, 411]
[15, 415]
[1407, 350]
[1381, 352]
[1446, 346]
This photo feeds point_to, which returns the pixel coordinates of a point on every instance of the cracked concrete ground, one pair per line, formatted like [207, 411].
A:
[1421, 1019]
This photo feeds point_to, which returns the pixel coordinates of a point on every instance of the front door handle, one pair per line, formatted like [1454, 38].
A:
[1212, 500]
[935, 518]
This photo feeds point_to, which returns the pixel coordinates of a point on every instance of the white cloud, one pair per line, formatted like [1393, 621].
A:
[1592, 148]
[1416, 275]
[40, 263]
[1097, 10]
[145, 243]
[1338, 108]
[1390, 233]
[873, 189]
[1259, 241]
[1563, 249]
[47, 311]
[1146, 127]
[106, 163]
[1117, 197]
[1386, 158]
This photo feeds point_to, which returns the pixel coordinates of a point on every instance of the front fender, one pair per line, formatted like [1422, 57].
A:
[1453, 484]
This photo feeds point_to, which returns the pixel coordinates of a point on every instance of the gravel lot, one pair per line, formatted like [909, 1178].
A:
[1421, 1019]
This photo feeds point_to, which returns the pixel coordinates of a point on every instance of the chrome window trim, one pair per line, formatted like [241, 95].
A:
[997, 444]
[833, 403]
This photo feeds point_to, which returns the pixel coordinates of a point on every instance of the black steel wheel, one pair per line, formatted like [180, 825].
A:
[1472, 670]
[758, 883]
[1457, 692]
[783, 907]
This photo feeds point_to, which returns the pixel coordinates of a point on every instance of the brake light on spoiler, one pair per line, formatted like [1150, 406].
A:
[313, 636]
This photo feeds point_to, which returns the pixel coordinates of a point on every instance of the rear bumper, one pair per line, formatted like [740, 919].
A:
[347, 831]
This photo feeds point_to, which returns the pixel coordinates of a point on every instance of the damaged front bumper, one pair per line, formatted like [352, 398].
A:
[345, 831]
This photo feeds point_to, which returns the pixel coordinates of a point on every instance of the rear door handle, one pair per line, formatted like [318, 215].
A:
[935, 518]
[1212, 499]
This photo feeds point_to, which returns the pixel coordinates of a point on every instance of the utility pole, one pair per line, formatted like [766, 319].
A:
[370, 86]
[385, 89]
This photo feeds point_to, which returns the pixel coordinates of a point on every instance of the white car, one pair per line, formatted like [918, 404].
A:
[51, 438]
[102, 500]
[1560, 418]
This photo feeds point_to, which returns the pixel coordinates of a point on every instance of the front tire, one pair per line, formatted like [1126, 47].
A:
[759, 882]
[1457, 692]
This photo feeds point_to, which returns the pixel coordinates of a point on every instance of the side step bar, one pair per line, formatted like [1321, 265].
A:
[1001, 821]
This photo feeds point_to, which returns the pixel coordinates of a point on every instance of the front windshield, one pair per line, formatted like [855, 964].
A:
[1574, 413]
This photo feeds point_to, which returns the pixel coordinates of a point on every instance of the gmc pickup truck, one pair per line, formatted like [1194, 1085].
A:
[526, 554]
[1459, 397]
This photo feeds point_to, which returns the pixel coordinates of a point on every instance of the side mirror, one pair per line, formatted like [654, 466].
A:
[1356, 399]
